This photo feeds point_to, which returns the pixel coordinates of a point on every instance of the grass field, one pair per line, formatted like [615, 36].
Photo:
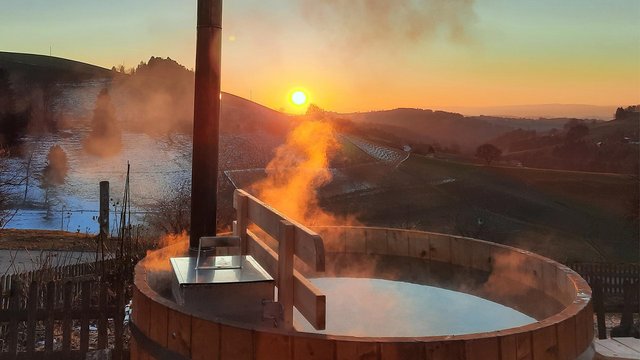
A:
[568, 216]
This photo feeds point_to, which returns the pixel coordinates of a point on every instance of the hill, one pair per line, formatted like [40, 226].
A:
[446, 128]
[536, 111]
[37, 68]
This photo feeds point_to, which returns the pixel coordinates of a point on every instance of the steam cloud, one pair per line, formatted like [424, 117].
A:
[369, 21]
[298, 169]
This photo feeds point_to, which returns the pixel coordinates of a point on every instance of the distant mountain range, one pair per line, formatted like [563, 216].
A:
[414, 125]
[537, 111]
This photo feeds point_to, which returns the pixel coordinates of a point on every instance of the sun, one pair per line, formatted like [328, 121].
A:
[299, 98]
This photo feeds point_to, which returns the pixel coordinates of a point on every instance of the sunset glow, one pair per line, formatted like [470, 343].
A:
[471, 53]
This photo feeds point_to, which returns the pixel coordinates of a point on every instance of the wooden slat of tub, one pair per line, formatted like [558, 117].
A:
[398, 243]
[483, 255]
[349, 350]
[402, 351]
[313, 349]
[307, 297]
[418, 246]
[179, 332]
[440, 248]
[272, 346]
[482, 349]
[566, 333]
[235, 343]
[445, 350]
[141, 304]
[460, 252]
[355, 241]
[158, 323]
[508, 347]
[545, 343]
[376, 241]
[205, 339]
[523, 346]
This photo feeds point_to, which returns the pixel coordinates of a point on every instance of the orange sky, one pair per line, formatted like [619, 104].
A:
[356, 55]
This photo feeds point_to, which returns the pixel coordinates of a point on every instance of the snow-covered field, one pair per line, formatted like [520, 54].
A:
[157, 164]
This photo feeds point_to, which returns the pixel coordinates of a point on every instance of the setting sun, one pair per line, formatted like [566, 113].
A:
[299, 98]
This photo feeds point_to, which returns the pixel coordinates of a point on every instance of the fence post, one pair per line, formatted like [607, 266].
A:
[102, 324]
[14, 308]
[84, 318]
[66, 322]
[598, 304]
[32, 307]
[48, 332]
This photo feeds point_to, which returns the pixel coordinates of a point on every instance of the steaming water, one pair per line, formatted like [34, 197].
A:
[383, 308]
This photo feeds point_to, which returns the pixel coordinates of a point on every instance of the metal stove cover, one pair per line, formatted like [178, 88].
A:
[249, 271]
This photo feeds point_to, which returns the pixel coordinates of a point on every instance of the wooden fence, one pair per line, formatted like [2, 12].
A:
[612, 278]
[63, 312]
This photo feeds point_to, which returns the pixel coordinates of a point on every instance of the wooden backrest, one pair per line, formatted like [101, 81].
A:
[308, 245]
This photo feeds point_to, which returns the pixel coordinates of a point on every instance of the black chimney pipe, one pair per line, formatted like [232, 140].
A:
[206, 117]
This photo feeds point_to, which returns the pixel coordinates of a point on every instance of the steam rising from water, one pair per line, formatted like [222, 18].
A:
[298, 169]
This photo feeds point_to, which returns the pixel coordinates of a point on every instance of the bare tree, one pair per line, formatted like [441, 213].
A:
[9, 180]
[171, 213]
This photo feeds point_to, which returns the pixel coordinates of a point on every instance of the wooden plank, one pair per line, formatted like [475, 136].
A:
[158, 323]
[285, 273]
[84, 317]
[419, 245]
[32, 307]
[402, 351]
[482, 349]
[308, 245]
[241, 203]
[310, 301]
[629, 342]
[49, 323]
[508, 348]
[398, 243]
[440, 248]
[313, 349]
[523, 346]
[235, 344]
[179, 333]
[376, 241]
[66, 322]
[445, 350]
[14, 304]
[350, 350]
[461, 252]
[544, 343]
[611, 349]
[355, 241]
[566, 333]
[307, 298]
[272, 346]
[102, 321]
[205, 339]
